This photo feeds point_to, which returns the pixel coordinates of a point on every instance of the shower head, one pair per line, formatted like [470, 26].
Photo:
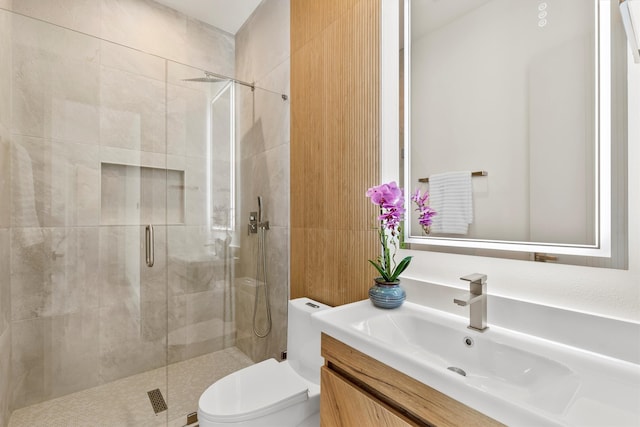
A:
[208, 78]
[215, 78]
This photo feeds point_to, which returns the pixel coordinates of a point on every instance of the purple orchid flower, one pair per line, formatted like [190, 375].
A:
[425, 212]
[390, 198]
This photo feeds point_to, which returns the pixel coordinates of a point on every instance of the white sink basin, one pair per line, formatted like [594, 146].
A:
[515, 378]
[487, 364]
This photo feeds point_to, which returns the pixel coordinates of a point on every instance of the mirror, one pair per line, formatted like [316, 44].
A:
[508, 110]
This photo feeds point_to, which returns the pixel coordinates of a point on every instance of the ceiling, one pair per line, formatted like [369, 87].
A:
[228, 15]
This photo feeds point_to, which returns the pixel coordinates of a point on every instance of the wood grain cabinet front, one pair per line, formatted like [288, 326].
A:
[357, 390]
[345, 404]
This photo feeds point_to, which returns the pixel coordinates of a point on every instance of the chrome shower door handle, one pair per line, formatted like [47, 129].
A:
[149, 244]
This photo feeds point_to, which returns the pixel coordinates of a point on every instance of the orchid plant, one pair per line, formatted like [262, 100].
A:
[390, 198]
[425, 213]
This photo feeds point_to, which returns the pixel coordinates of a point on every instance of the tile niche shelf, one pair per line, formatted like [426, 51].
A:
[136, 195]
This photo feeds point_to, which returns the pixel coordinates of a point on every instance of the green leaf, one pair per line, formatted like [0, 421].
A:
[380, 270]
[402, 266]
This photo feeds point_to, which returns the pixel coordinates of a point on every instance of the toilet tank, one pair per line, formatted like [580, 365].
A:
[303, 338]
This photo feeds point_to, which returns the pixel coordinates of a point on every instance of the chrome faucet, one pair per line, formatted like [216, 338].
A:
[476, 299]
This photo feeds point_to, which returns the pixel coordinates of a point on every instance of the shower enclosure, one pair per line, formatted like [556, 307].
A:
[122, 228]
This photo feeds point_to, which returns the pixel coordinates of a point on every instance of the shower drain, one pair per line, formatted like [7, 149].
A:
[157, 401]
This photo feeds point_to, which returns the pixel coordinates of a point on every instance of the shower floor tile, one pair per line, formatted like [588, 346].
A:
[125, 402]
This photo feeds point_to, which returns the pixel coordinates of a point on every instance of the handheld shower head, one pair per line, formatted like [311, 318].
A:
[259, 209]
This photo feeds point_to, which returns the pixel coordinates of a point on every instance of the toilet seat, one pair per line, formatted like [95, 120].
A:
[253, 392]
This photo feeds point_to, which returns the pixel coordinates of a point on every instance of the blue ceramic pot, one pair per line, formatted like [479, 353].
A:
[387, 294]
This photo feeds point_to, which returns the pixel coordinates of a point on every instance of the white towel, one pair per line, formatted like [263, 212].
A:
[450, 195]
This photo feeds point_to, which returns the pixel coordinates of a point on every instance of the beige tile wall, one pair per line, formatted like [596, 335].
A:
[5, 327]
[262, 46]
[5, 211]
[140, 24]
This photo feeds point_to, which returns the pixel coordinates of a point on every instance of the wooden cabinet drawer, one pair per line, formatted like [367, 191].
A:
[413, 402]
[342, 404]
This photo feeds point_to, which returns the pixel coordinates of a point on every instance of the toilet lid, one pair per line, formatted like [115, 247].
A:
[252, 392]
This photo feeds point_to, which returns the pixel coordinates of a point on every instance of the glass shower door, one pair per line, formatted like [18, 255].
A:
[202, 244]
[88, 174]
[134, 198]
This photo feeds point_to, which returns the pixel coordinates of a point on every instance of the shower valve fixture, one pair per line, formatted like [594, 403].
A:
[253, 223]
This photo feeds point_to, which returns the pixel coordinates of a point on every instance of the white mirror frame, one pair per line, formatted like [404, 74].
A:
[602, 245]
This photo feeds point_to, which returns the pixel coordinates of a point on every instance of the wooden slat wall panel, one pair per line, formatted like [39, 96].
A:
[335, 111]
[309, 18]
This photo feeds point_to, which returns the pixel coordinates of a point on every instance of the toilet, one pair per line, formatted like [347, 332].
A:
[272, 393]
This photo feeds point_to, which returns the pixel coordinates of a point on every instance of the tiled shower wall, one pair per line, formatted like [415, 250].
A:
[262, 47]
[69, 317]
[140, 24]
[5, 284]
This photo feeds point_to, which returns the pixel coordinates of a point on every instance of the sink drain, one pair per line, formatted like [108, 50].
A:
[457, 370]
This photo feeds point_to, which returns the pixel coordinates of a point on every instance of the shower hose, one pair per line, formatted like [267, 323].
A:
[262, 260]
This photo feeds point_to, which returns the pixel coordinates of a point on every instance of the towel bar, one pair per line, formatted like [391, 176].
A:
[478, 173]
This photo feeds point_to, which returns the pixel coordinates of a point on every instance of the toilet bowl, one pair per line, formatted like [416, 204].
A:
[272, 393]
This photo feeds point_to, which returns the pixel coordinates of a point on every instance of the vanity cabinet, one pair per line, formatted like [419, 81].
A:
[359, 390]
